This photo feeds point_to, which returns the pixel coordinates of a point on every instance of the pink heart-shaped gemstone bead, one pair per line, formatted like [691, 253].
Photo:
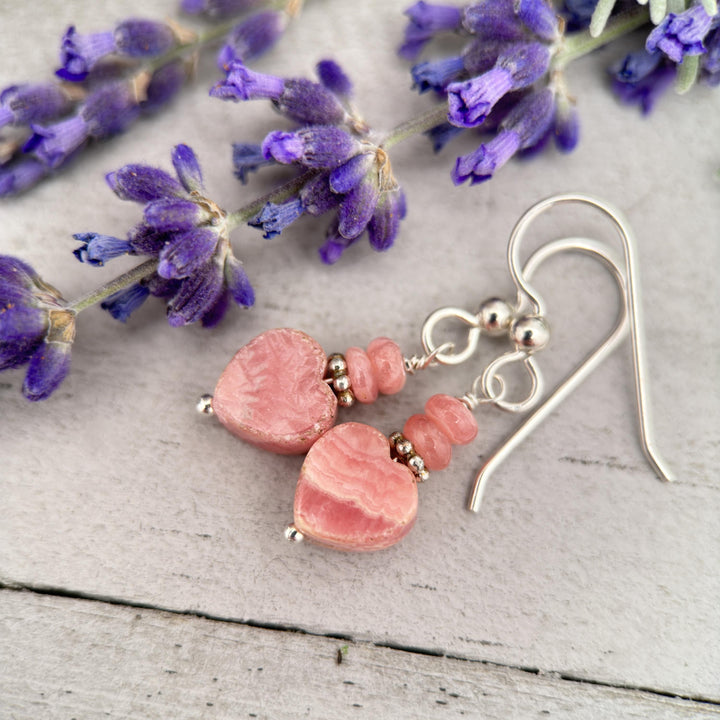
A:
[273, 395]
[351, 495]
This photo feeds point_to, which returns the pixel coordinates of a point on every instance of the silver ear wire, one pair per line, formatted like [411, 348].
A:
[629, 319]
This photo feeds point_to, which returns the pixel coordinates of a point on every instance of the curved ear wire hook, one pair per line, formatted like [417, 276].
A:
[628, 285]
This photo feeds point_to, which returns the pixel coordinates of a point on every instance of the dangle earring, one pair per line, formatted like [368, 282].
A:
[357, 489]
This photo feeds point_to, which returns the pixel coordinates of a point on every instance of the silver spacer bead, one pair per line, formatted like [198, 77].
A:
[416, 464]
[404, 447]
[293, 534]
[494, 316]
[422, 476]
[341, 383]
[336, 365]
[346, 398]
[530, 332]
[204, 405]
[394, 438]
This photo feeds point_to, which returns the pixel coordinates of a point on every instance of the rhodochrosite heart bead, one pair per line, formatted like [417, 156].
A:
[273, 395]
[351, 495]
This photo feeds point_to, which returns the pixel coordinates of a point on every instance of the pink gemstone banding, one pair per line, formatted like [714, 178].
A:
[351, 495]
[362, 375]
[272, 393]
[429, 441]
[389, 365]
[453, 418]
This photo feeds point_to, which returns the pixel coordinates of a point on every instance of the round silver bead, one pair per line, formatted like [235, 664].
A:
[394, 438]
[293, 534]
[423, 475]
[416, 464]
[204, 405]
[341, 382]
[404, 447]
[530, 332]
[495, 316]
[346, 398]
[336, 365]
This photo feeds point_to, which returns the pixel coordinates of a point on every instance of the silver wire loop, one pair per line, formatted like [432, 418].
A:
[415, 363]
[473, 336]
[628, 320]
[490, 375]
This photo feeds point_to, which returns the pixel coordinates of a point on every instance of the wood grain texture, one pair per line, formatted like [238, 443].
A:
[67, 658]
[581, 562]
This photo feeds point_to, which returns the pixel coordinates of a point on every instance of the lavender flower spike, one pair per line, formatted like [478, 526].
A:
[680, 35]
[518, 66]
[29, 103]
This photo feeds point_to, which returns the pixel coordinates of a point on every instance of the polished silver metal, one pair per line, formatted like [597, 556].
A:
[404, 447]
[293, 534]
[341, 383]
[415, 363]
[530, 332]
[336, 364]
[416, 464]
[494, 316]
[625, 275]
[448, 357]
[204, 405]
[346, 398]
[483, 385]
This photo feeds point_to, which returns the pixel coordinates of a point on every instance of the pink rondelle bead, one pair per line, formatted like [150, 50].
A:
[429, 441]
[453, 418]
[363, 382]
[388, 364]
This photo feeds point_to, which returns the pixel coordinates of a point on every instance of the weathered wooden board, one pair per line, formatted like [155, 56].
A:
[71, 658]
[580, 563]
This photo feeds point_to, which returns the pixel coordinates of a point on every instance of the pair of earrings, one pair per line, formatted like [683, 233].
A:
[357, 488]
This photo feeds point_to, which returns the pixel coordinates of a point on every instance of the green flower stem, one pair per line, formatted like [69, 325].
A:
[579, 44]
[246, 212]
[119, 283]
[423, 123]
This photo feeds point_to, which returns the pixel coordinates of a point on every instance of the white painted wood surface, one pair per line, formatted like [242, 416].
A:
[581, 563]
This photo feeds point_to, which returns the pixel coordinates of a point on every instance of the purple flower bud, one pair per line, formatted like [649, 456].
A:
[238, 282]
[348, 175]
[14, 271]
[146, 240]
[319, 146]
[710, 63]
[187, 167]
[567, 127]
[436, 74]
[142, 183]
[216, 312]
[217, 8]
[481, 55]
[275, 217]
[334, 78]
[577, 13]
[357, 207]
[20, 176]
[252, 37]
[646, 91]
[122, 304]
[109, 110]
[680, 35]
[539, 17]
[426, 20]
[30, 103]
[197, 295]
[48, 367]
[54, 144]
[317, 197]
[187, 253]
[310, 103]
[635, 66]
[80, 53]
[162, 287]
[165, 83]
[143, 38]
[525, 125]
[247, 158]
[385, 222]
[334, 245]
[173, 214]
[23, 324]
[441, 135]
[518, 66]
[494, 20]
[241, 83]
[97, 249]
